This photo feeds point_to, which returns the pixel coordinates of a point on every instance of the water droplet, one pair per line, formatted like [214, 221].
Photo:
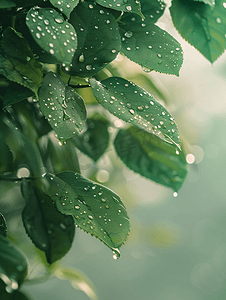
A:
[132, 111]
[81, 58]
[46, 22]
[218, 20]
[90, 6]
[90, 217]
[129, 8]
[38, 36]
[88, 67]
[224, 4]
[63, 226]
[128, 48]
[116, 253]
[175, 194]
[59, 20]
[128, 34]
[77, 206]
[107, 206]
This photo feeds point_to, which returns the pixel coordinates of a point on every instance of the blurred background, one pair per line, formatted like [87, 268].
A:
[176, 249]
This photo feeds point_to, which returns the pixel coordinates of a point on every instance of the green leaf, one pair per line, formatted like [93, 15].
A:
[62, 106]
[6, 158]
[25, 151]
[15, 93]
[52, 33]
[148, 45]
[16, 295]
[3, 227]
[153, 9]
[132, 6]
[202, 26]
[78, 280]
[50, 231]
[17, 62]
[94, 141]
[98, 39]
[210, 2]
[132, 104]
[95, 208]
[65, 7]
[13, 265]
[7, 4]
[64, 157]
[152, 158]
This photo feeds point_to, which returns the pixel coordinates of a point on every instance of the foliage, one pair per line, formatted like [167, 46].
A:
[50, 53]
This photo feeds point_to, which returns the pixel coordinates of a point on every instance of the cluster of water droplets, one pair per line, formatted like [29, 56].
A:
[52, 33]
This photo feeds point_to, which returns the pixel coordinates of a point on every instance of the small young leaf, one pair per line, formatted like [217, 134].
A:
[148, 45]
[7, 4]
[201, 25]
[64, 157]
[62, 106]
[6, 157]
[52, 33]
[3, 227]
[50, 231]
[152, 158]
[17, 62]
[94, 141]
[132, 104]
[78, 280]
[95, 208]
[98, 39]
[65, 7]
[15, 93]
[13, 265]
[132, 6]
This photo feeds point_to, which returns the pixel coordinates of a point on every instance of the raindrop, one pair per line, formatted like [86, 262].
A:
[81, 58]
[116, 253]
[128, 34]
[224, 4]
[63, 226]
[149, 47]
[38, 35]
[175, 194]
[46, 22]
[101, 12]
[218, 20]
[129, 8]
[59, 20]
[88, 67]
[90, 217]
[77, 206]
[107, 206]
[131, 111]
[128, 48]
[90, 6]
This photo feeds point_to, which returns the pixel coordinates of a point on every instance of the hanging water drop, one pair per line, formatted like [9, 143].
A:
[116, 253]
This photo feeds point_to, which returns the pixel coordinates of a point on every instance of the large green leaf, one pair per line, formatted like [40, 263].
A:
[13, 265]
[50, 231]
[152, 158]
[62, 107]
[15, 93]
[122, 5]
[148, 45]
[95, 208]
[98, 39]
[52, 33]
[132, 104]
[94, 141]
[63, 157]
[17, 62]
[65, 7]
[3, 228]
[201, 25]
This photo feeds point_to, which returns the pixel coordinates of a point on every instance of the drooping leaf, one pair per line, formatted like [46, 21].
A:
[94, 141]
[50, 231]
[132, 6]
[65, 7]
[13, 265]
[201, 25]
[152, 158]
[17, 62]
[52, 33]
[64, 157]
[95, 208]
[15, 93]
[25, 151]
[6, 158]
[132, 104]
[78, 280]
[3, 227]
[7, 4]
[62, 106]
[210, 2]
[98, 39]
[148, 45]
